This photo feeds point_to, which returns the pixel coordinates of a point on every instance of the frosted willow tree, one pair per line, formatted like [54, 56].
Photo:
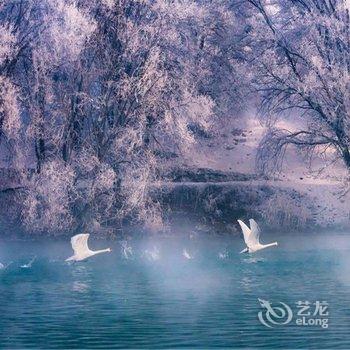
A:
[10, 121]
[45, 38]
[301, 52]
[107, 88]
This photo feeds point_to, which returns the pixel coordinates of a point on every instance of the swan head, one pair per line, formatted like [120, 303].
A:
[108, 250]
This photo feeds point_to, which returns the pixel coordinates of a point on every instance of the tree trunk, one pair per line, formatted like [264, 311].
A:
[346, 156]
[40, 153]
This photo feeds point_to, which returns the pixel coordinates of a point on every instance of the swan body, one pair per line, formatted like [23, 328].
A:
[81, 249]
[251, 237]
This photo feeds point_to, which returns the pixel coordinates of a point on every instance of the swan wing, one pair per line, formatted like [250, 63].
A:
[255, 231]
[79, 243]
[246, 232]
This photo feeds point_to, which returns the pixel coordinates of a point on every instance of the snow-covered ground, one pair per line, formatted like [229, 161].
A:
[235, 150]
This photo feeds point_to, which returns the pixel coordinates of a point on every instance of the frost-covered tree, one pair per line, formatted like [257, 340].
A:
[100, 96]
[106, 90]
[300, 49]
[10, 121]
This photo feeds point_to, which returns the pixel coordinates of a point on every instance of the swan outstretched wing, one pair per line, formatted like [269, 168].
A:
[255, 230]
[79, 243]
[246, 231]
[250, 238]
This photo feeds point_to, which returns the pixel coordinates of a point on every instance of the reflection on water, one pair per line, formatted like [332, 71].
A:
[253, 260]
[80, 286]
[161, 298]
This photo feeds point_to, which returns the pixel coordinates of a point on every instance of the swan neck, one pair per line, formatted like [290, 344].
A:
[102, 251]
[271, 244]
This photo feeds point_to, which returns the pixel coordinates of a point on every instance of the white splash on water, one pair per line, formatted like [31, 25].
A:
[126, 250]
[186, 254]
[152, 255]
[223, 255]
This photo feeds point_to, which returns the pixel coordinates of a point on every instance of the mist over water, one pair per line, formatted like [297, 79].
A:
[156, 297]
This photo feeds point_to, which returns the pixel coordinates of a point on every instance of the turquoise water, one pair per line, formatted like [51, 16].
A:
[209, 301]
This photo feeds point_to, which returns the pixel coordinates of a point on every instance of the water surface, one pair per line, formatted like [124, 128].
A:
[163, 300]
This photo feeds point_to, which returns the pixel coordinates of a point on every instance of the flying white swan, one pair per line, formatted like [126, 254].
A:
[251, 237]
[3, 267]
[29, 265]
[186, 254]
[81, 248]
